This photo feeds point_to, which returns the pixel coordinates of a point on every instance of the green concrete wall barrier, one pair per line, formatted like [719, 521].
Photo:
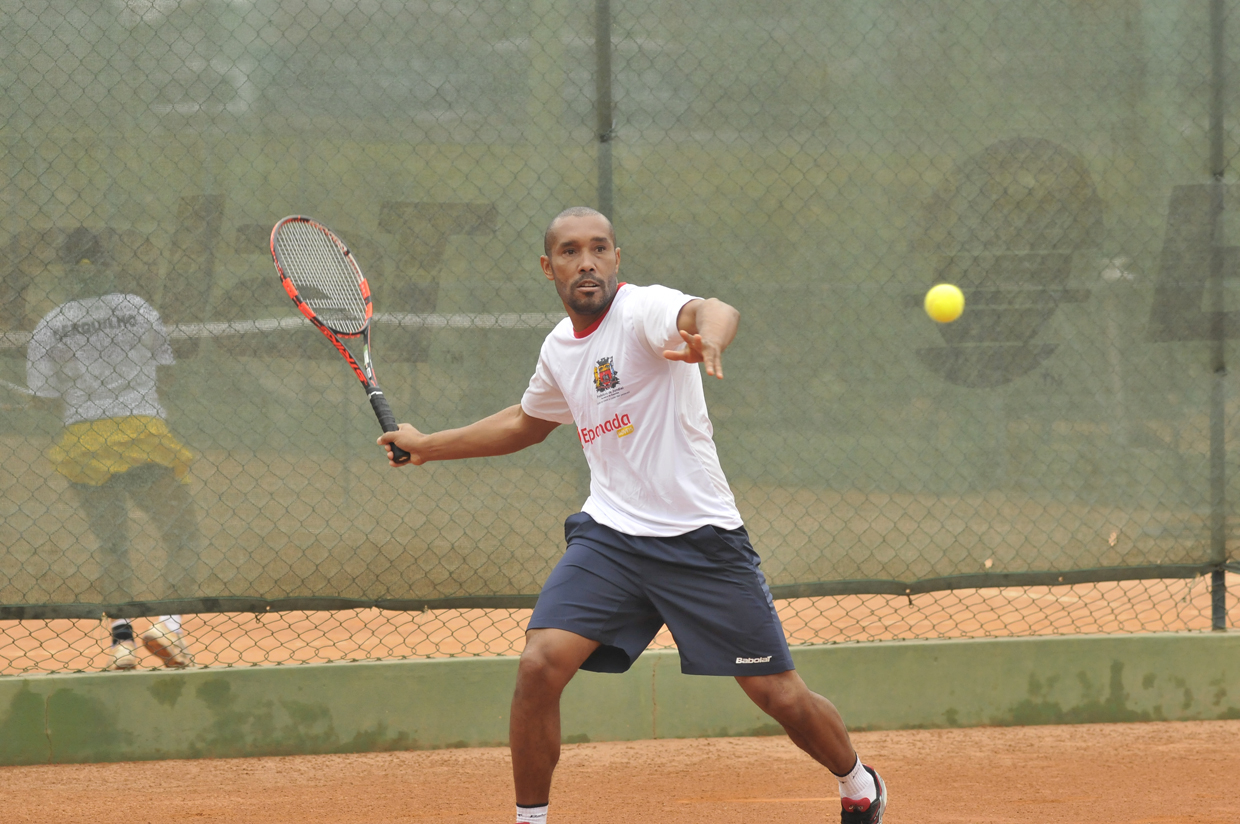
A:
[400, 705]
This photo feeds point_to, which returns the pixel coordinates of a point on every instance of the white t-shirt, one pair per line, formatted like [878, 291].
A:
[641, 418]
[99, 354]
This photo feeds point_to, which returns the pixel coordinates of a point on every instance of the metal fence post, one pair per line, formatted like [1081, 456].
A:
[1218, 331]
[603, 105]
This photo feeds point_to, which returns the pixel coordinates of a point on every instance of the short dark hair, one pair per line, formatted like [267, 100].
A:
[576, 211]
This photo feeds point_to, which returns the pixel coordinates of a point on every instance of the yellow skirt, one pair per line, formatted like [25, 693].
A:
[91, 452]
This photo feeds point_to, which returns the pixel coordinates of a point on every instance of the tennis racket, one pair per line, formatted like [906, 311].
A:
[325, 282]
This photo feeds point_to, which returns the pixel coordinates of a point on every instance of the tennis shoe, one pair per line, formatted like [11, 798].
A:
[124, 655]
[168, 645]
[863, 810]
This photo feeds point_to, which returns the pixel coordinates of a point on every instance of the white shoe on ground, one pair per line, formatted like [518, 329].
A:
[168, 645]
[124, 655]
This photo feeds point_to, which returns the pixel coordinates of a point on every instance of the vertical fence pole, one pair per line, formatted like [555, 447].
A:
[603, 106]
[602, 135]
[1218, 331]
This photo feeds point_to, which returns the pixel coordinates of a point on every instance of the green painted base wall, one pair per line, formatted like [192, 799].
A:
[464, 702]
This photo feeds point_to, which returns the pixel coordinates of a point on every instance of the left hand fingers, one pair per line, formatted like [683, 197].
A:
[697, 350]
[692, 351]
[713, 359]
[706, 353]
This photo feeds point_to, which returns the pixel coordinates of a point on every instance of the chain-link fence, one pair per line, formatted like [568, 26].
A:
[175, 443]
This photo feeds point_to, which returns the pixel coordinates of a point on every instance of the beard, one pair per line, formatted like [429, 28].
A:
[590, 304]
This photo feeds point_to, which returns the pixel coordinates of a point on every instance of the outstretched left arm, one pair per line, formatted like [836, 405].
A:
[707, 327]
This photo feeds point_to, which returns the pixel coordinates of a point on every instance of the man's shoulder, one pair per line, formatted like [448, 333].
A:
[632, 297]
[653, 294]
[66, 314]
[84, 306]
[561, 332]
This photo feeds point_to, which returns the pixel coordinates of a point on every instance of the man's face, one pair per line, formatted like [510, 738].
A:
[583, 263]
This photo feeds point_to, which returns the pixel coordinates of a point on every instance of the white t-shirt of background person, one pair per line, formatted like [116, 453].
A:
[641, 419]
[99, 355]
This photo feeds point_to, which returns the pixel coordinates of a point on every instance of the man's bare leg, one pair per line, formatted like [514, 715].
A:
[550, 660]
[811, 721]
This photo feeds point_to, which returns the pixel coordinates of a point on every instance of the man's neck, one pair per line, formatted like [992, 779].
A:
[584, 324]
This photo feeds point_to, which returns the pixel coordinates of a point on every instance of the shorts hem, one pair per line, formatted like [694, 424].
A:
[734, 670]
[564, 625]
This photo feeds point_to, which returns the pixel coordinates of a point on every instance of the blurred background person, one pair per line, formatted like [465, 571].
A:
[99, 353]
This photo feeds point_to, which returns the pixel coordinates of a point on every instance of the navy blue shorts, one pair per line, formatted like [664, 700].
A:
[706, 585]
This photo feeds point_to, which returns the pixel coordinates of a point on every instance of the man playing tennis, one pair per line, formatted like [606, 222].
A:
[659, 540]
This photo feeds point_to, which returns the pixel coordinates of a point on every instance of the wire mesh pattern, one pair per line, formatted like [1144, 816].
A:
[236, 640]
[176, 441]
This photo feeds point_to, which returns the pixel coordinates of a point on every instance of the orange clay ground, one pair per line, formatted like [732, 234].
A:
[1098, 773]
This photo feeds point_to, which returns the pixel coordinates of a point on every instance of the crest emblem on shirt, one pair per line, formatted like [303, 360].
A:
[605, 375]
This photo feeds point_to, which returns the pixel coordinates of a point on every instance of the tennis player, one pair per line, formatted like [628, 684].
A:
[99, 354]
[660, 539]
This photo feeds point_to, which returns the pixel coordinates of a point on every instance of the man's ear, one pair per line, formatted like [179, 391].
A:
[546, 267]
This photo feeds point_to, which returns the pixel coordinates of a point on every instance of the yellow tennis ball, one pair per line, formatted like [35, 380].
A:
[944, 303]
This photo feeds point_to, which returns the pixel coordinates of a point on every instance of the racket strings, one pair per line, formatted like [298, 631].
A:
[323, 276]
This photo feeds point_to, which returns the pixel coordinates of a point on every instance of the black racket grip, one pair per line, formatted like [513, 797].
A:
[388, 421]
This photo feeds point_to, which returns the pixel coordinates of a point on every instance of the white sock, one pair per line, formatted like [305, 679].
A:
[172, 622]
[858, 784]
[532, 815]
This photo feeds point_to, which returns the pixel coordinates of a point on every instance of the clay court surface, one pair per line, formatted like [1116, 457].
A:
[1098, 773]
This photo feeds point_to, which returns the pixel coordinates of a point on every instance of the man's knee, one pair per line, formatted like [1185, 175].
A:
[782, 696]
[551, 658]
[537, 667]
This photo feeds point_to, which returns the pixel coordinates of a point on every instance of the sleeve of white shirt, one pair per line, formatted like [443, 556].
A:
[40, 368]
[658, 308]
[543, 398]
[156, 338]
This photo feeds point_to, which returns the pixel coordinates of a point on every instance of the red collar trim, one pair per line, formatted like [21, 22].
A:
[589, 330]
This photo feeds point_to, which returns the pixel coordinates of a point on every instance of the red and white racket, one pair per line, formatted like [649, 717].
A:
[325, 282]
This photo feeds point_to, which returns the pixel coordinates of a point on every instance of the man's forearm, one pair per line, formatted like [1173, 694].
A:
[503, 433]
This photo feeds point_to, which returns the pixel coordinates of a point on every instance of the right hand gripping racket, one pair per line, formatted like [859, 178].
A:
[326, 284]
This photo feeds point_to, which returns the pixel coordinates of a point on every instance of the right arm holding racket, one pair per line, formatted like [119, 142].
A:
[706, 326]
[507, 431]
[323, 279]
